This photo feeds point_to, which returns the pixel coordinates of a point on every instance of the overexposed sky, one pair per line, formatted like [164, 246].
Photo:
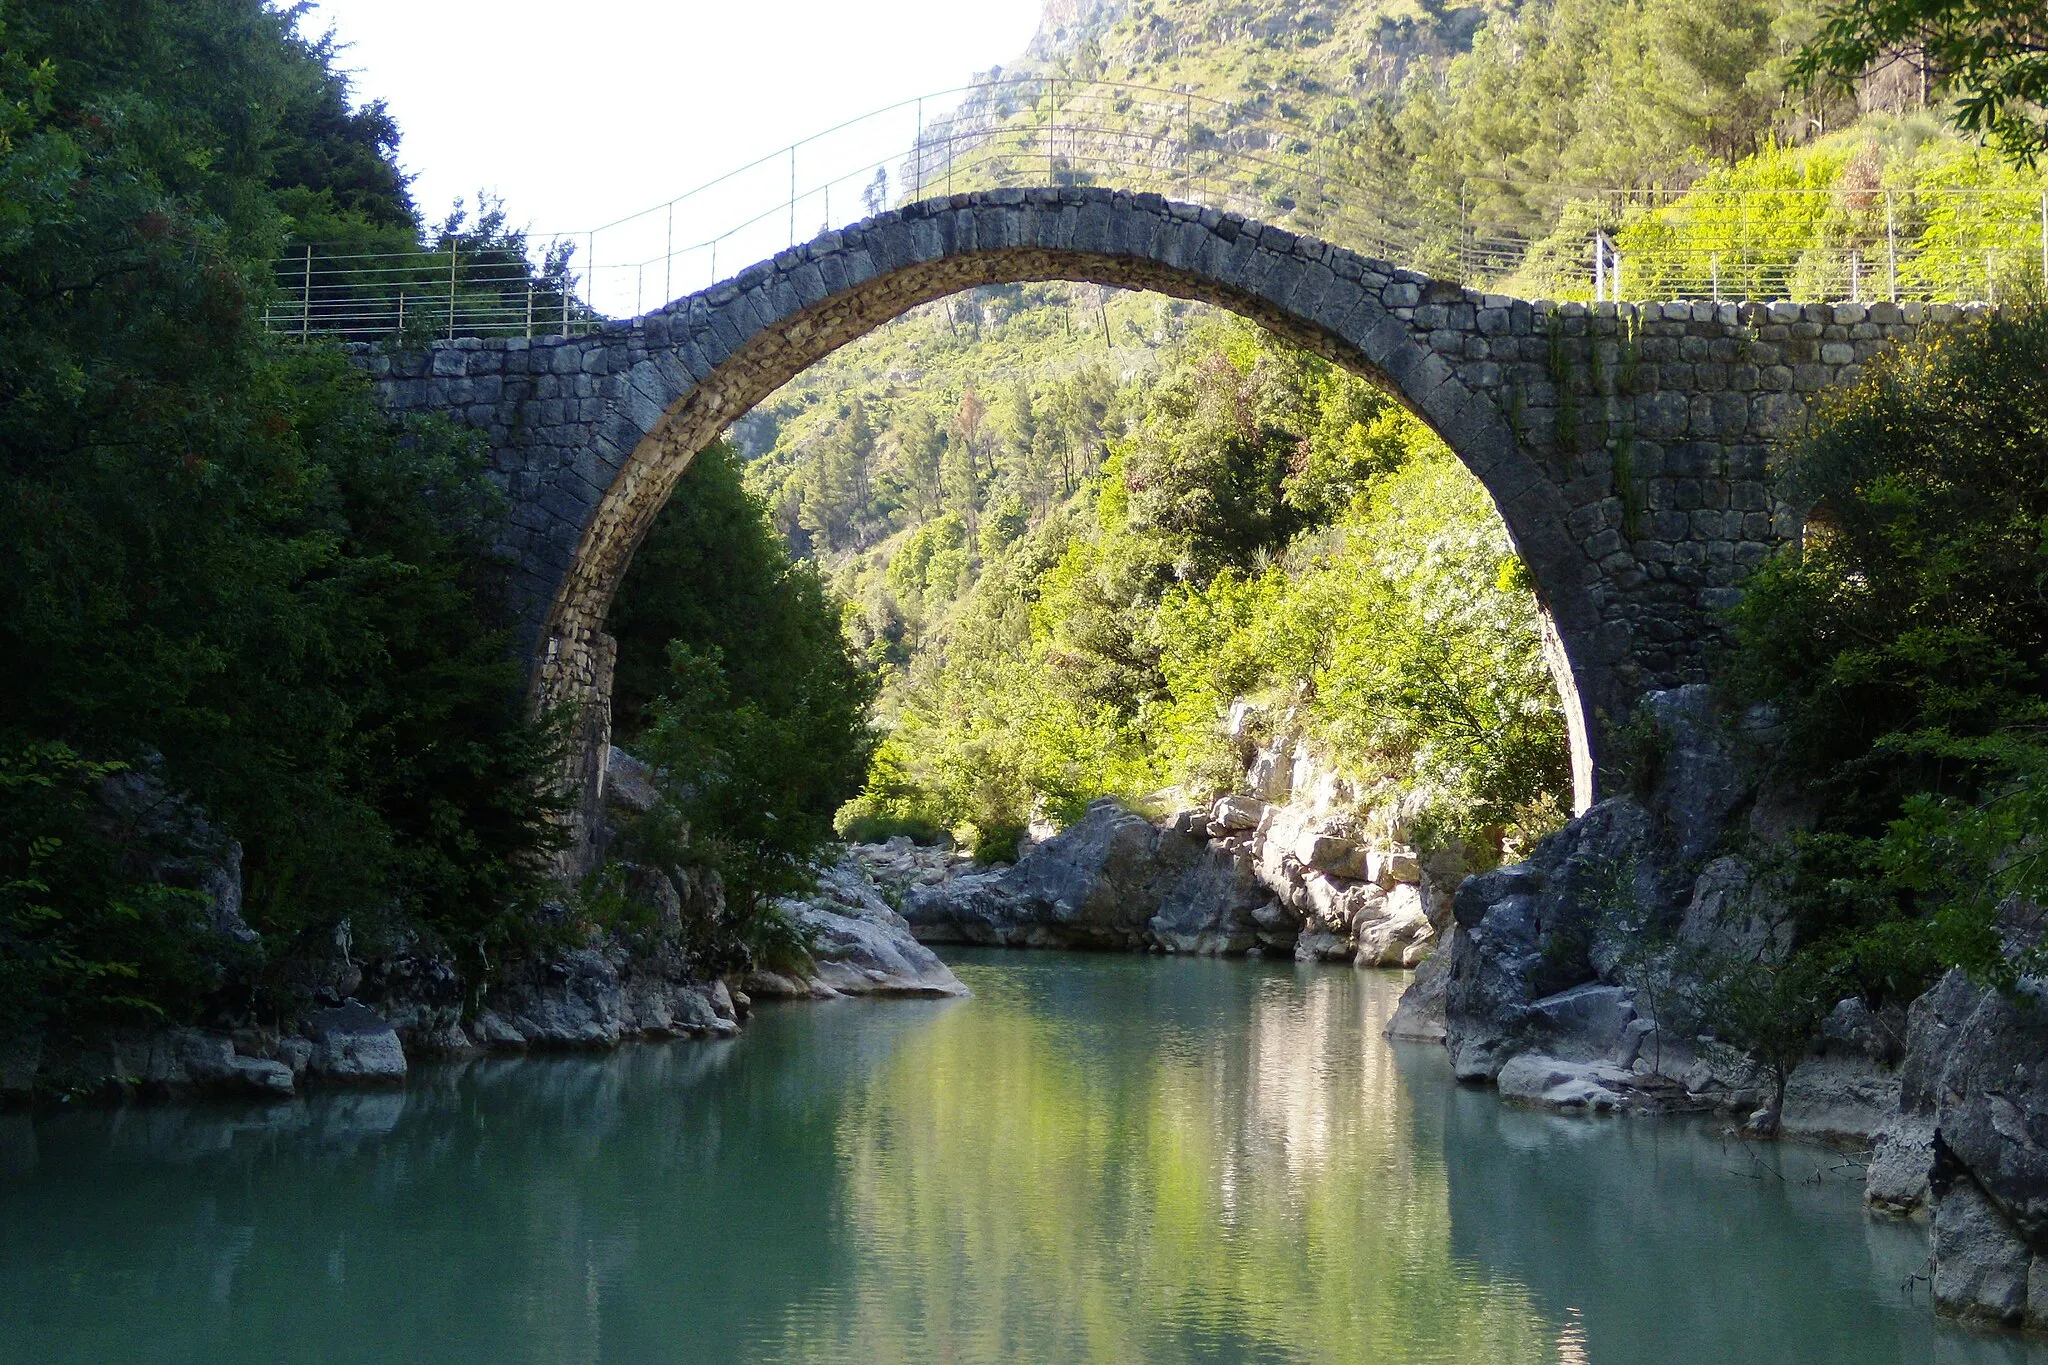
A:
[578, 114]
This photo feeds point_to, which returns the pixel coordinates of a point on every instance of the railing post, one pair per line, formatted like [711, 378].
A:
[529, 308]
[453, 252]
[1714, 271]
[565, 302]
[917, 178]
[1891, 251]
[1855, 276]
[668, 260]
[306, 298]
[792, 194]
[1599, 267]
[400, 330]
[2044, 242]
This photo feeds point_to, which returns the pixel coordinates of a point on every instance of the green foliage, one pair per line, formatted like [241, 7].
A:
[1786, 221]
[220, 564]
[80, 941]
[1991, 53]
[1905, 647]
[1100, 658]
[756, 721]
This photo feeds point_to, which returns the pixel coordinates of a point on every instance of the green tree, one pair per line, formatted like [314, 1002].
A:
[735, 680]
[222, 567]
[1906, 647]
[1992, 55]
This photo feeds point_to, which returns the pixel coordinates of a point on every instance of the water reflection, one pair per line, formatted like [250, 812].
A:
[1096, 1158]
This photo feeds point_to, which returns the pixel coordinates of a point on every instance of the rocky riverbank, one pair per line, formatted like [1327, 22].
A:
[370, 1021]
[1289, 866]
[1575, 980]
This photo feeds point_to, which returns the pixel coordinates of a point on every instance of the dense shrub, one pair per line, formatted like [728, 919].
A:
[1905, 645]
[737, 683]
[221, 566]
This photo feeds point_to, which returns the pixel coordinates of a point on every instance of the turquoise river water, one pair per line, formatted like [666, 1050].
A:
[1095, 1158]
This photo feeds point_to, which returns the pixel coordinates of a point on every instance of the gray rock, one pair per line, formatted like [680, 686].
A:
[1321, 945]
[1419, 1018]
[208, 1062]
[578, 1003]
[1901, 1164]
[1842, 1099]
[1554, 1083]
[1237, 812]
[492, 1029]
[1981, 1263]
[1589, 1021]
[1111, 880]
[629, 783]
[1701, 780]
[860, 946]
[355, 1045]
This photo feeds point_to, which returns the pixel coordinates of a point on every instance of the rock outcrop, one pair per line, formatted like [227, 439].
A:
[1242, 876]
[1968, 1143]
[859, 945]
[1579, 967]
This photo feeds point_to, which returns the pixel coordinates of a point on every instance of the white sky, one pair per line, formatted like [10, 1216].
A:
[579, 114]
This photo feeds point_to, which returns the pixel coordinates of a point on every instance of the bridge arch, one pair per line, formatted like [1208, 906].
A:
[736, 344]
[1625, 447]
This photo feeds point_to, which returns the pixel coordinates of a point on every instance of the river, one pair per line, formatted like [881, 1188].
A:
[1095, 1158]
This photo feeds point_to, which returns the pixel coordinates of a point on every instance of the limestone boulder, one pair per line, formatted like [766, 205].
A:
[354, 1045]
[629, 783]
[860, 945]
[1237, 813]
[1546, 1082]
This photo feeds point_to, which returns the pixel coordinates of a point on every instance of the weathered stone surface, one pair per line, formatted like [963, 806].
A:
[1901, 1164]
[1981, 1263]
[355, 1045]
[1419, 1017]
[1570, 915]
[1111, 880]
[1553, 1083]
[860, 946]
[1237, 812]
[1843, 1099]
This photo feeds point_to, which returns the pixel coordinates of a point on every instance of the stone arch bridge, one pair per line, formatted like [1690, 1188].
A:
[1626, 446]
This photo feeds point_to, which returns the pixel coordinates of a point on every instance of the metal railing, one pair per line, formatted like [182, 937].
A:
[1234, 156]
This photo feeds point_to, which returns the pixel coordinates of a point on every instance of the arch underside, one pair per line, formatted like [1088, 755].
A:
[1371, 342]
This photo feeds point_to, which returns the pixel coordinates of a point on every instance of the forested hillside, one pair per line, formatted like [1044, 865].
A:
[920, 464]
